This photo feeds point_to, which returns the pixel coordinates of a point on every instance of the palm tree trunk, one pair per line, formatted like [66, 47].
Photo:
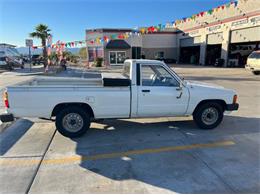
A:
[45, 57]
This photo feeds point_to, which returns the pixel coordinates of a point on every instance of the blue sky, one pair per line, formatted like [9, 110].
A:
[68, 19]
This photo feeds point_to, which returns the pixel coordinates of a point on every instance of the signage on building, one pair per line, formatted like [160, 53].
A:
[191, 33]
[255, 20]
[214, 28]
[241, 22]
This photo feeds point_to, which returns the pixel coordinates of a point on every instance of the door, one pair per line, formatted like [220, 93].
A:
[117, 57]
[160, 94]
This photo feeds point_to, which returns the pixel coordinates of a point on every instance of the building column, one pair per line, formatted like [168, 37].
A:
[225, 46]
[203, 49]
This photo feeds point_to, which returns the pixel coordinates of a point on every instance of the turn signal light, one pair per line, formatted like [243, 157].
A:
[6, 102]
[235, 99]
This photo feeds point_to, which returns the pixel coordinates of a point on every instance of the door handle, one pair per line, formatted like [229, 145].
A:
[146, 90]
[178, 97]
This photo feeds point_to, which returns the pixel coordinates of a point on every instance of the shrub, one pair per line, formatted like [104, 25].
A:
[98, 62]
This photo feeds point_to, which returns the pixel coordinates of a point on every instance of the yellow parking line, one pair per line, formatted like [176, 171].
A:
[74, 159]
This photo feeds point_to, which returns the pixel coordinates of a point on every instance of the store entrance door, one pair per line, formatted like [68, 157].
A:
[117, 57]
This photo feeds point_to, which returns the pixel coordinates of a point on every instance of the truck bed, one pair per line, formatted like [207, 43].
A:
[61, 82]
[106, 80]
[38, 96]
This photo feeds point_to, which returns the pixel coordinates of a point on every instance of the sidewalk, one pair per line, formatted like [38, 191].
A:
[34, 70]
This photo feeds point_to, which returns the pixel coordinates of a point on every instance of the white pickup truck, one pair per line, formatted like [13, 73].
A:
[146, 88]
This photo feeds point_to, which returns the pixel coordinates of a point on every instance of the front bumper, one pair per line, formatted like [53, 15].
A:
[231, 107]
[6, 118]
[252, 68]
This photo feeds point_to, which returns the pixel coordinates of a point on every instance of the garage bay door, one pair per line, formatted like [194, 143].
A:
[187, 42]
[246, 35]
[215, 38]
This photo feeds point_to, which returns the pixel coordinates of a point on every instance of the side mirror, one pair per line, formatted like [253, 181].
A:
[179, 88]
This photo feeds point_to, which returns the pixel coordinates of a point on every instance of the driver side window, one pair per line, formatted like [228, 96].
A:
[155, 75]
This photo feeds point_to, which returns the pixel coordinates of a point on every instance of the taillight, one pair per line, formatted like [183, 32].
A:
[235, 99]
[6, 102]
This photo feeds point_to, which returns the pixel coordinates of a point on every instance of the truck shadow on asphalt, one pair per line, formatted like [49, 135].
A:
[13, 134]
[177, 171]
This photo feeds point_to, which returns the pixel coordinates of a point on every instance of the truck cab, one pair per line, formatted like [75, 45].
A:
[156, 89]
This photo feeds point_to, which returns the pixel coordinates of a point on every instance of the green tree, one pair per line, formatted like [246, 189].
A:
[70, 56]
[42, 32]
[54, 58]
[83, 52]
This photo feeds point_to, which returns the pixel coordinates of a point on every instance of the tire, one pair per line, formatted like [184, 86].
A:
[72, 121]
[256, 72]
[208, 115]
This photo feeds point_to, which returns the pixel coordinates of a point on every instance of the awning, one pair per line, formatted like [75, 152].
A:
[118, 44]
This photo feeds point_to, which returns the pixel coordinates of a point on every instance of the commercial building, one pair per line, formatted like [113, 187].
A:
[228, 33]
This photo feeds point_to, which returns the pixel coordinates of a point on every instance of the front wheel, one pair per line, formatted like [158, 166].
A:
[72, 121]
[256, 72]
[208, 115]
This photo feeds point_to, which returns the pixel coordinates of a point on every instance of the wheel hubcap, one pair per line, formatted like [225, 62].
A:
[72, 122]
[210, 116]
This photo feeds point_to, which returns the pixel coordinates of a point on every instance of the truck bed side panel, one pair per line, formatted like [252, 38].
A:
[106, 102]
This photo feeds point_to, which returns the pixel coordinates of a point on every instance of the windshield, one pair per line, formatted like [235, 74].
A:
[255, 55]
[13, 51]
[177, 75]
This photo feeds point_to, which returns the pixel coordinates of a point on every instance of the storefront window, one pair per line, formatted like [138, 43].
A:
[120, 57]
[112, 58]
[95, 52]
[117, 57]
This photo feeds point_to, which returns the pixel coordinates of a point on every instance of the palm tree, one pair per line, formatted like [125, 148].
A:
[42, 32]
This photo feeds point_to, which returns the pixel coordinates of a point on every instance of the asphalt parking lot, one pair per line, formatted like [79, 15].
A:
[156, 155]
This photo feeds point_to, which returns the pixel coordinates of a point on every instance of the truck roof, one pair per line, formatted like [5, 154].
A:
[143, 61]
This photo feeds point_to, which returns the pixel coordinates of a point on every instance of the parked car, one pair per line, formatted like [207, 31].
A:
[253, 62]
[37, 59]
[147, 88]
[242, 50]
[10, 57]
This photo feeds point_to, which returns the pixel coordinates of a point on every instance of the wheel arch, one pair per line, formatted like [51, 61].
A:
[219, 101]
[61, 106]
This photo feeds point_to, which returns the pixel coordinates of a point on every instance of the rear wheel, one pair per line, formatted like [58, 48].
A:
[208, 115]
[256, 72]
[72, 121]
